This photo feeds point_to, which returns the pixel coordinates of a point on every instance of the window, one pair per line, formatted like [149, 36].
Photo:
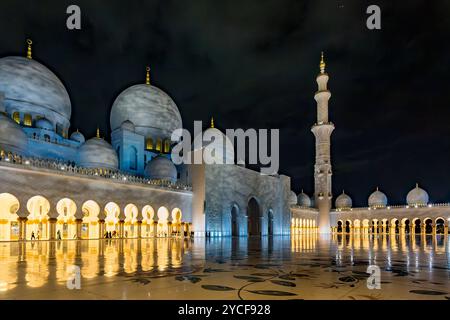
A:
[149, 144]
[158, 144]
[27, 120]
[16, 117]
[133, 158]
[166, 146]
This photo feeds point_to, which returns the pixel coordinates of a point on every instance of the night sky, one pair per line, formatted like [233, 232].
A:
[252, 64]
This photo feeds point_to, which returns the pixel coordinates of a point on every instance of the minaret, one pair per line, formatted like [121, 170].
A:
[322, 169]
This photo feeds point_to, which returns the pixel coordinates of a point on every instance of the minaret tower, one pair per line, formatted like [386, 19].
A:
[322, 169]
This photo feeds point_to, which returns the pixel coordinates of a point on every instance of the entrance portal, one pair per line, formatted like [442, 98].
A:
[254, 218]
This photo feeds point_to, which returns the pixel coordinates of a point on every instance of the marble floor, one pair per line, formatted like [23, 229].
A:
[305, 266]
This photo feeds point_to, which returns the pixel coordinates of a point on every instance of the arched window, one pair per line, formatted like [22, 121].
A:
[133, 158]
[149, 144]
[27, 120]
[46, 137]
[118, 155]
[166, 146]
[16, 117]
[158, 144]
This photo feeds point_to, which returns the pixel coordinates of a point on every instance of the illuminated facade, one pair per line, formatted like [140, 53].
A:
[59, 186]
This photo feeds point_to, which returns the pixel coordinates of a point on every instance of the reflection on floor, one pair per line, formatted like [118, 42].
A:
[305, 266]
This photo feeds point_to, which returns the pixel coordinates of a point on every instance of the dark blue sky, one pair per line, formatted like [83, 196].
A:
[253, 64]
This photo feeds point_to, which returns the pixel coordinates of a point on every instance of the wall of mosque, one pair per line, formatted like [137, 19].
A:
[228, 191]
[26, 183]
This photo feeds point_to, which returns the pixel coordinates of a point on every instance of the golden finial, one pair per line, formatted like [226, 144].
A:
[29, 42]
[377, 189]
[212, 122]
[417, 185]
[98, 132]
[147, 76]
[322, 64]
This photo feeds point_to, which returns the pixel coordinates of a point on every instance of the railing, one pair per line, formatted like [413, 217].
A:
[64, 167]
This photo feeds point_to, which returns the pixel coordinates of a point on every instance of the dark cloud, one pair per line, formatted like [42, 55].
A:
[253, 64]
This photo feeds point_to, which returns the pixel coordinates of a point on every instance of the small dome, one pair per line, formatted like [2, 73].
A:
[292, 198]
[152, 111]
[303, 200]
[77, 136]
[161, 168]
[377, 199]
[97, 153]
[127, 125]
[221, 149]
[12, 137]
[343, 201]
[44, 124]
[31, 88]
[417, 197]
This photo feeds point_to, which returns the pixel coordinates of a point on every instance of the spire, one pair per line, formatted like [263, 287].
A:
[98, 132]
[29, 42]
[322, 64]
[147, 76]
[377, 189]
[212, 122]
[417, 185]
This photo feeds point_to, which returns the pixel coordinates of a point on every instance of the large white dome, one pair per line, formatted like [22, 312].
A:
[216, 144]
[292, 198]
[417, 197]
[12, 137]
[161, 168]
[343, 201]
[30, 87]
[97, 153]
[377, 199]
[153, 113]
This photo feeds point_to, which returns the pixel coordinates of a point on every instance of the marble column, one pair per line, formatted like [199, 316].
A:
[121, 229]
[52, 222]
[22, 228]
[78, 227]
[101, 229]
[139, 229]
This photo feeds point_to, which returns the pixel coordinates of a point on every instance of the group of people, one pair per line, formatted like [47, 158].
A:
[110, 234]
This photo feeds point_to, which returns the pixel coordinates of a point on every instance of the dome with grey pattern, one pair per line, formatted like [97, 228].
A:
[12, 137]
[417, 197]
[97, 153]
[31, 88]
[161, 168]
[153, 113]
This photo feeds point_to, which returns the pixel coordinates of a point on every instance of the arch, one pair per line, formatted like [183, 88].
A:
[428, 224]
[348, 226]
[440, 225]
[90, 228]
[148, 216]
[37, 224]
[177, 216]
[340, 225]
[417, 225]
[254, 217]
[133, 158]
[112, 211]
[357, 223]
[270, 222]
[163, 226]
[9, 225]
[27, 120]
[130, 223]
[405, 225]
[66, 227]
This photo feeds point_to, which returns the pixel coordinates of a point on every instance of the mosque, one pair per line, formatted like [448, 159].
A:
[56, 184]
